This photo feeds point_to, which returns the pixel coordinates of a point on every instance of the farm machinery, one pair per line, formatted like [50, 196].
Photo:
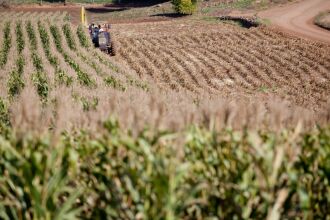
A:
[102, 38]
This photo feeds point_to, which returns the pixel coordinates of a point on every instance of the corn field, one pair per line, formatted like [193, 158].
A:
[188, 121]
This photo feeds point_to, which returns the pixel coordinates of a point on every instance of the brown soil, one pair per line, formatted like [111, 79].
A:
[225, 60]
[297, 18]
[73, 10]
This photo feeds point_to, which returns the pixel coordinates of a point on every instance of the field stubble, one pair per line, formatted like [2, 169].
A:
[79, 163]
[223, 60]
[166, 75]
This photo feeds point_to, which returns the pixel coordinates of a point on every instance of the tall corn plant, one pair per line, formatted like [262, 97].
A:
[34, 182]
[193, 174]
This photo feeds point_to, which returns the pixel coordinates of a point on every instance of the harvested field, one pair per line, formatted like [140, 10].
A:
[225, 60]
[190, 120]
[174, 74]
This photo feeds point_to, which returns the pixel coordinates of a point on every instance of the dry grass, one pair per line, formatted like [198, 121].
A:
[177, 126]
[165, 80]
[323, 20]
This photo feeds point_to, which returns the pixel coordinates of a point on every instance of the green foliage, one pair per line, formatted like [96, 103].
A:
[63, 79]
[40, 81]
[37, 63]
[133, 82]
[31, 35]
[83, 77]
[5, 45]
[20, 65]
[83, 39]
[34, 183]
[89, 104]
[57, 38]
[111, 81]
[236, 4]
[193, 174]
[19, 37]
[4, 114]
[16, 83]
[69, 38]
[186, 7]
[39, 78]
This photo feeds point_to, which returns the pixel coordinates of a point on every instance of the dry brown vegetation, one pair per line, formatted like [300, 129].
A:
[173, 93]
[323, 20]
[166, 75]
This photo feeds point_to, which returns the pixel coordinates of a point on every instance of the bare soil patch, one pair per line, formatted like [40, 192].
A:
[225, 60]
[297, 18]
[72, 9]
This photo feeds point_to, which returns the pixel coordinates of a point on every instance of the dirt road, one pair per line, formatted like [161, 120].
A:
[297, 18]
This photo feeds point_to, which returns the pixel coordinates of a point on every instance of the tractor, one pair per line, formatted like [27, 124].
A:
[102, 38]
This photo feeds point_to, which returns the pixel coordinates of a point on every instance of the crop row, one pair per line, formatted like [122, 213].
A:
[82, 76]
[15, 82]
[39, 78]
[68, 36]
[19, 37]
[5, 45]
[31, 35]
[87, 58]
[83, 39]
[61, 76]
[215, 63]
[192, 174]
[108, 79]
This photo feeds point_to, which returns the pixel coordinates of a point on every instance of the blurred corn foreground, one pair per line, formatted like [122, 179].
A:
[188, 126]
[196, 173]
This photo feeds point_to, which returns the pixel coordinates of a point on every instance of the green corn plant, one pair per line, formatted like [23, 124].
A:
[5, 45]
[82, 76]
[20, 63]
[196, 173]
[31, 35]
[109, 80]
[69, 38]
[62, 78]
[15, 83]
[34, 182]
[19, 37]
[114, 83]
[83, 39]
[40, 81]
[88, 104]
[37, 62]
[57, 38]
[4, 113]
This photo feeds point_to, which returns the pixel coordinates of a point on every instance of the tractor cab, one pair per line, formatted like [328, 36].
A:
[101, 38]
[104, 40]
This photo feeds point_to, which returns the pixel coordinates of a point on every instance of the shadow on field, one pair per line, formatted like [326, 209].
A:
[135, 3]
[242, 21]
[169, 15]
[105, 10]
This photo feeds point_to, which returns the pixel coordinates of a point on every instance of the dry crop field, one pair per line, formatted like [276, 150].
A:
[166, 73]
[220, 59]
[191, 119]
